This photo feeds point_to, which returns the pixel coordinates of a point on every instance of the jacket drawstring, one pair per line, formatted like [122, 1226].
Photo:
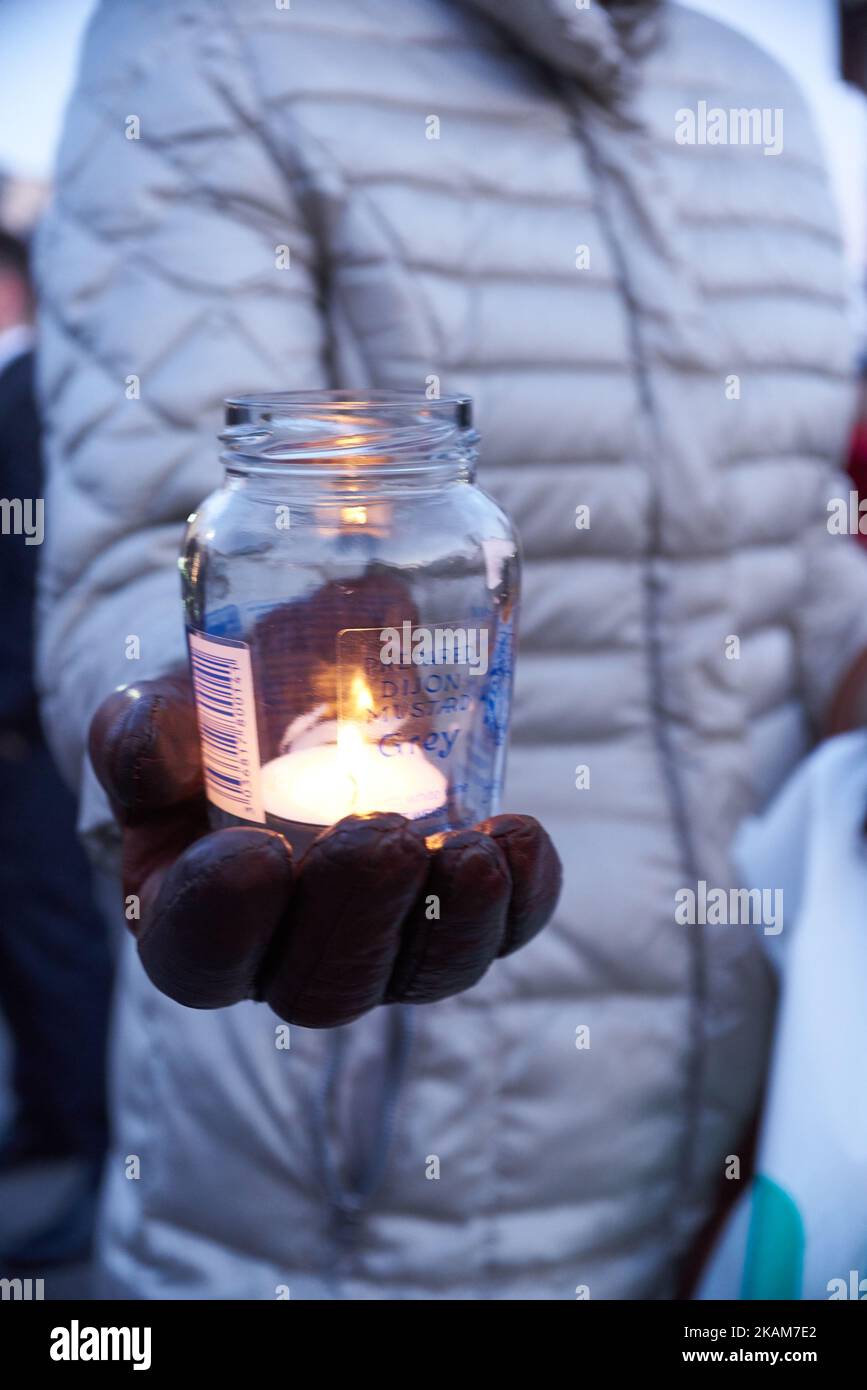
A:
[349, 1194]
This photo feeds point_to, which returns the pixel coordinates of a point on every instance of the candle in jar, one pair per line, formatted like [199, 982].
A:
[321, 784]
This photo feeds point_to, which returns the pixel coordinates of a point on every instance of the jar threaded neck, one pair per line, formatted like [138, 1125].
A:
[350, 434]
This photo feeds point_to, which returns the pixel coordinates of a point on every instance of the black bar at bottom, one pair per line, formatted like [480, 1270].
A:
[269, 1338]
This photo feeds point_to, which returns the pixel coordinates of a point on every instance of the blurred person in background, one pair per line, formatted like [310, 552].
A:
[491, 195]
[54, 958]
[853, 42]
[858, 452]
[853, 53]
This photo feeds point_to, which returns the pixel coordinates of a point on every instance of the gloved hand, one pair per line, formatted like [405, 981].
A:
[229, 915]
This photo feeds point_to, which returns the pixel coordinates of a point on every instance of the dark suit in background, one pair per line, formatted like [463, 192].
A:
[55, 963]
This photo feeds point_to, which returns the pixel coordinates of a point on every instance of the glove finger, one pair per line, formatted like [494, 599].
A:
[205, 940]
[144, 746]
[150, 848]
[537, 875]
[356, 884]
[457, 925]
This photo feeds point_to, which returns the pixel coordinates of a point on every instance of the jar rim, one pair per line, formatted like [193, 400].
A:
[248, 406]
[348, 432]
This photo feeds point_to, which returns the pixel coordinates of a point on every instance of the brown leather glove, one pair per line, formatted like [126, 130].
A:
[229, 915]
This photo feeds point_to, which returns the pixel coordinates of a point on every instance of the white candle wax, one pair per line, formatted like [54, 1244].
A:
[320, 785]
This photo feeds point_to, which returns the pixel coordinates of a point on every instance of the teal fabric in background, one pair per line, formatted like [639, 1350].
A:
[775, 1244]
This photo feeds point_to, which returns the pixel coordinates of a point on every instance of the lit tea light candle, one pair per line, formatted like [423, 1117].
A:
[319, 785]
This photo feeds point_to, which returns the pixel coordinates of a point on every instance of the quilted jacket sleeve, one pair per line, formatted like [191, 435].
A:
[161, 292]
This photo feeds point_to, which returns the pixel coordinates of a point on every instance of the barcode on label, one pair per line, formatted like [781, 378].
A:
[226, 707]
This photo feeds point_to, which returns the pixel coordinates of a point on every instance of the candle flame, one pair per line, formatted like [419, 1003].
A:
[360, 694]
[350, 739]
[353, 516]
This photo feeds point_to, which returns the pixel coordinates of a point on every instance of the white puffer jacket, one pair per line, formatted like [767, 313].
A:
[608, 385]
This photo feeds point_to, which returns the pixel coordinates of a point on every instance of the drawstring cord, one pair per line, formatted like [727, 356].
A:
[350, 1194]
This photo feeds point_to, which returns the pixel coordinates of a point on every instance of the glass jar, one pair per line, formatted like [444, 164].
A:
[351, 602]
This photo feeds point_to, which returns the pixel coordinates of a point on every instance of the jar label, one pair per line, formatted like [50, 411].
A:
[226, 707]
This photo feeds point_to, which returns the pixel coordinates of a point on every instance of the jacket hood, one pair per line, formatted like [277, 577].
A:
[598, 45]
